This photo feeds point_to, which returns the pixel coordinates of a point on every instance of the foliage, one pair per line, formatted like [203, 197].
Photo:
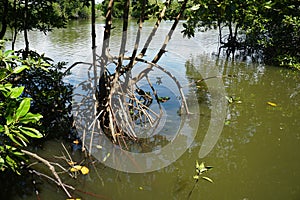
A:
[16, 121]
[274, 27]
[39, 15]
[269, 29]
[50, 95]
[200, 169]
[73, 9]
[151, 8]
[30, 86]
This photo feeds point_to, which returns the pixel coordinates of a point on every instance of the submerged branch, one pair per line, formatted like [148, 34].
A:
[58, 181]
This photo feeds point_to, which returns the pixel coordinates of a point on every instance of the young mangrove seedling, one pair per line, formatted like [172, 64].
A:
[200, 170]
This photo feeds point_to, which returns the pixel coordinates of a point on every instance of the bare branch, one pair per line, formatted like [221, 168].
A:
[52, 169]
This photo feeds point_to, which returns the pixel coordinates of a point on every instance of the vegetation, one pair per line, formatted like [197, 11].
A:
[120, 127]
[17, 123]
[151, 9]
[200, 170]
[35, 103]
[264, 30]
[267, 30]
[30, 86]
[41, 15]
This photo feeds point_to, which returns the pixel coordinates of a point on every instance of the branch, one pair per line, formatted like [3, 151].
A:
[163, 48]
[52, 169]
[138, 36]
[152, 34]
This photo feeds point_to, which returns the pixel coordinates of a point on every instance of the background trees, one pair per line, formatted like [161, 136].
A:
[264, 29]
[38, 15]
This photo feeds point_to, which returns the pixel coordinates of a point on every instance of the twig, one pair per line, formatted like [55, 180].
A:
[52, 169]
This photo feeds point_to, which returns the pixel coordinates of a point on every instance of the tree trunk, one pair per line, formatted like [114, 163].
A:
[4, 20]
[93, 25]
[25, 55]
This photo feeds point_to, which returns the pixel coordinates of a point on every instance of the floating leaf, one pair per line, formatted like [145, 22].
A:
[105, 158]
[74, 199]
[141, 188]
[271, 104]
[76, 168]
[227, 122]
[196, 177]
[72, 163]
[229, 99]
[76, 141]
[84, 170]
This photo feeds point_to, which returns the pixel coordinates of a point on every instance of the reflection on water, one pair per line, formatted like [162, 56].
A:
[257, 154]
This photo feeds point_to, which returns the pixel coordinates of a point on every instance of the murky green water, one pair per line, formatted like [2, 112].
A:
[257, 154]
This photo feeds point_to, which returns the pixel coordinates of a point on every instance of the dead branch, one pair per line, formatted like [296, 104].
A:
[57, 179]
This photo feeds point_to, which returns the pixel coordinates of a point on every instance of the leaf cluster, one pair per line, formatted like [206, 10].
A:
[33, 85]
[17, 123]
[151, 9]
[50, 95]
[200, 170]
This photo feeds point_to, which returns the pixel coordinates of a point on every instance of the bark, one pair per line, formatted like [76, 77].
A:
[51, 168]
[4, 19]
[25, 55]
[93, 25]
[152, 34]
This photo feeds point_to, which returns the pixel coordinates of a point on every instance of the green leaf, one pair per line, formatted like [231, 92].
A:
[32, 132]
[20, 69]
[208, 179]
[1, 128]
[8, 53]
[195, 7]
[197, 164]
[22, 138]
[6, 130]
[6, 89]
[9, 119]
[16, 92]
[202, 166]
[3, 73]
[30, 117]
[23, 108]
[13, 165]
[209, 167]
[11, 136]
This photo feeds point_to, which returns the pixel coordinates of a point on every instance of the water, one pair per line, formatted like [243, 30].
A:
[256, 156]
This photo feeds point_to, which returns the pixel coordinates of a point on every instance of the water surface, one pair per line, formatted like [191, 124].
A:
[257, 154]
